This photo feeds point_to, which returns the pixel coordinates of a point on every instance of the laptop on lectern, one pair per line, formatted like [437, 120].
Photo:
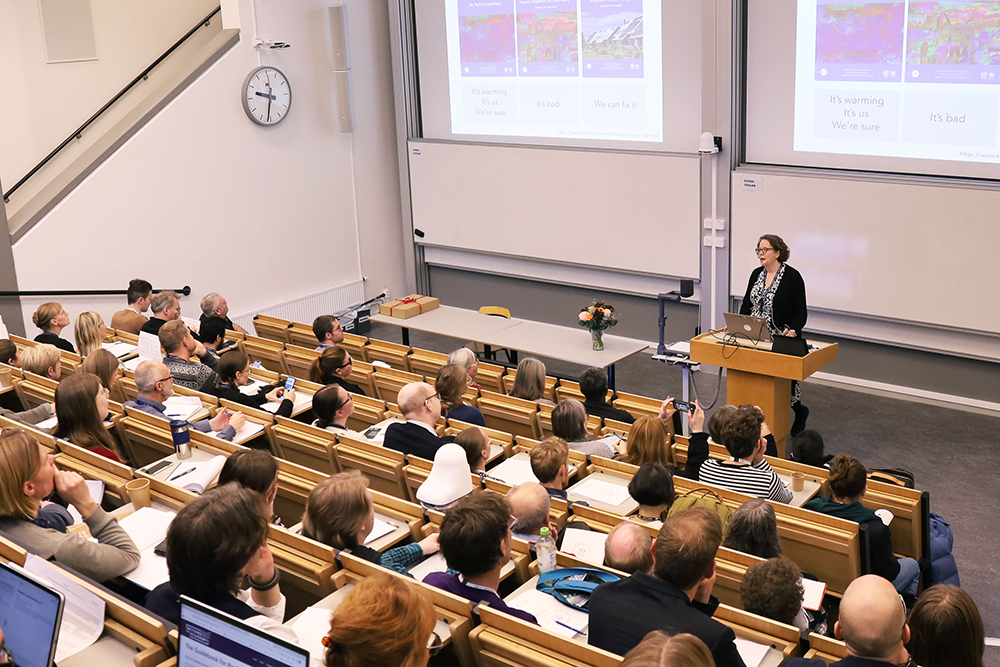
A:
[750, 328]
[30, 615]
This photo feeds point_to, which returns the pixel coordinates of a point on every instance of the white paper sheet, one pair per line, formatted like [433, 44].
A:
[751, 652]
[513, 471]
[302, 399]
[814, 592]
[550, 613]
[133, 363]
[311, 626]
[198, 476]
[147, 526]
[885, 515]
[595, 488]
[96, 488]
[250, 430]
[380, 529]
[47, 424]
[586, 545]
[437, 563]
[182, 407]
[120, 348]
[252, 387]
[149, 347]
[83, 614]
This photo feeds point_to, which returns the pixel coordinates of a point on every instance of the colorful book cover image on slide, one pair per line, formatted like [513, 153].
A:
[953, 42]
[612, 38]
[547, 38]
[486, 37]
[859, 41]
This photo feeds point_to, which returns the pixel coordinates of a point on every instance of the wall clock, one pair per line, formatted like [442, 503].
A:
[267, 96]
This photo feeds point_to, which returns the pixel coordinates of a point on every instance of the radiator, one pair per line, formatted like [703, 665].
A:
[306, 308]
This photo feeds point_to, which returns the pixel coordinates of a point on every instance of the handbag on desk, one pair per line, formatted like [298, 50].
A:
[574, 582]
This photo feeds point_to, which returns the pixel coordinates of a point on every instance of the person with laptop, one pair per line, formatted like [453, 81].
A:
[777, 293]
[29, 476]
[215, 542]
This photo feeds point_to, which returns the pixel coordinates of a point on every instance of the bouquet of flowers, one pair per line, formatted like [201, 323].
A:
[597, 318]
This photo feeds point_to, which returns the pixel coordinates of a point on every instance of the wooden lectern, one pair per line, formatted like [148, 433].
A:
[760, 377]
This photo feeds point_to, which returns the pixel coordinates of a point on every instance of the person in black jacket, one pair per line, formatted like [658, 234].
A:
[234, 372]
[51, 318]
[777, 293]
[421, 406]
[594, 387]
[676, 598]
[843, 492]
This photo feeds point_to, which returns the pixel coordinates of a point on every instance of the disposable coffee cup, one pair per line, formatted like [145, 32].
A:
[138, 493]
[181, 437]
[6, 378]
[798, 480]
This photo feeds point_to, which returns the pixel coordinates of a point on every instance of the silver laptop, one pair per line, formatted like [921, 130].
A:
[30, 615]
[750, 328]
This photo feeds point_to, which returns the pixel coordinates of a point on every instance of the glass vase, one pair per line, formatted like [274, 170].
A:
[597, 336]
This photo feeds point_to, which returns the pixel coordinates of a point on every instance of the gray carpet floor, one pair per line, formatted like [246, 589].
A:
[952, 453]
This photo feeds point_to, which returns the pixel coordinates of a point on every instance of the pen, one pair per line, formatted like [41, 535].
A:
[181, 474]
[570, 627]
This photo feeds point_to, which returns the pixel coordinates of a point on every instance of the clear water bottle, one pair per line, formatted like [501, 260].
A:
[545, 549]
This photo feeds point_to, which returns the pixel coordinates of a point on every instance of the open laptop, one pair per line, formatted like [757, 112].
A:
[30, 615]
[750, 328]
[209, 638]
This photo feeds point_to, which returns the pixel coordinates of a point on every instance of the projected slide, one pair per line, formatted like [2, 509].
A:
[899, 79]
[582, 69]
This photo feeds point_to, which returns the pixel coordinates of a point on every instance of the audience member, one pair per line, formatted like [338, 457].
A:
[9, 354]
[131, 319]
[594, 387]
[340, 513]
[254, 469]
[753, 529]
[213, 543]
[30, 417]
[42, 360]
[333, 366]
[658, 649]
[569, 422]
[333, 406]
[723, 414]
[529, 383]
[529, 507]
[82, 407]
[180, 346]
[773, 589]
[382, 622]
[946, 629]
[214, 305]
[212, 334]
[652, 487]
[328, 331]
[872, 624]
[421, 407]
[476, 444]
[843, 492]
[748, 472]
[449, 480]
[166, 307]
[807, 448]
[629, 548]
[28, 475]
[649, 441]
[89, 332]
[678, 595]
[550, 466]
[466, 358]
[52, 319]
[451, 383]
[105, 366]
[155, 385]
[234, 372]
[475, 542]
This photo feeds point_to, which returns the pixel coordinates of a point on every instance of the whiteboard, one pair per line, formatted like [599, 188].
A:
[623, 211]
[915, 252]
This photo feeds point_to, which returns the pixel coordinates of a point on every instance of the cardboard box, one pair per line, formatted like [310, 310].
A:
[409, 306]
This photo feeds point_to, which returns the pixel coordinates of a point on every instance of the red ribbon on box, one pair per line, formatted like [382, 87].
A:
[407, 300]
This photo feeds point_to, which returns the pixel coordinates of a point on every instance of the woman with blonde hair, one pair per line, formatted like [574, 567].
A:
[340, 513]
[28, 475]
[81, 408]
[52, 319]
[105, 366]
[451, 383]
[529, 383]
[382, 622]
[42, 360]
[333, 366]
[658, 649]
[89, 331]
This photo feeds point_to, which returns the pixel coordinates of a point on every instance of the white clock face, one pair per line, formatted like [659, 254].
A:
[267, 96]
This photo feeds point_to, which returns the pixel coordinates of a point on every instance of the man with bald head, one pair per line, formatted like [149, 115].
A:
[629, 548]
[156, 385]
[529, 504]
[421, 406]
[872, 624]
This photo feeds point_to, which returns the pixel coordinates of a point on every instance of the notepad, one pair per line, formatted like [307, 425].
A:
[586, 545]
[513, 471]
[250, 430]
[96, 489]
[380, 529]
[311, 627]
[149, 346]
[120, 348]
[182, 407]
[198, 476]
[813, 594]
[594, 488]
[83, 613]
[47, 424]
[751, 652]
[551, 614]
[302, 399]
[147, 526]
[252, 387]
[436, 563]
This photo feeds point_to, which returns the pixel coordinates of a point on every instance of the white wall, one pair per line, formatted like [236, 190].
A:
[202, 196]
[52, 100]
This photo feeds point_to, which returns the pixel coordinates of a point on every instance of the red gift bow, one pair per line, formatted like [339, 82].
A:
[407, 300]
